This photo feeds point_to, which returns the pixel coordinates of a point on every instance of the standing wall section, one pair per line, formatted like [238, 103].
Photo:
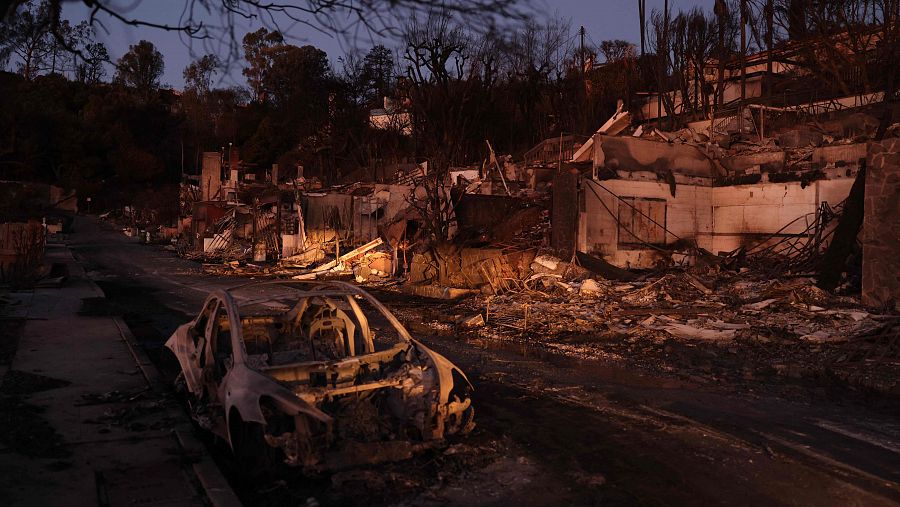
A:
[881, 227]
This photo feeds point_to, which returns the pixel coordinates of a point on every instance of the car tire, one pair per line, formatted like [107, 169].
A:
[169, 367]
[254, 457]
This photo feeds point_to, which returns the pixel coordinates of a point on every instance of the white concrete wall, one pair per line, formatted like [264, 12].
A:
[847, 153]
[392, 121]
[688, 216]
[765, 208]
[717, 218]
[732, 92]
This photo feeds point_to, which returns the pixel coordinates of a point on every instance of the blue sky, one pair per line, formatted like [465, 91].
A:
[602, 19]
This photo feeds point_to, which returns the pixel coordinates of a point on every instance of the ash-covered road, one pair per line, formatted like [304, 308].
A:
[556, 431]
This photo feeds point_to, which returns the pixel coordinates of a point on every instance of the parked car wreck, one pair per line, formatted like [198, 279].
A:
[318, 375]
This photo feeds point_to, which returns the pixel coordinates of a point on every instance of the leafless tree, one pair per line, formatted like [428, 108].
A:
[27, 242]
[216, 23]
[684, 47]
[41, 45]
[851, 45]
[661, 45]
[450, 75]
[536, 58]
[616, 50]
[694, 36]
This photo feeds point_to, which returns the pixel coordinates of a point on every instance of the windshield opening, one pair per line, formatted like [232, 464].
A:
[324, 326]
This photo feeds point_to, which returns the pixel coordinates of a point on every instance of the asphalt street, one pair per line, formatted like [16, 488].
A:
[578, 432]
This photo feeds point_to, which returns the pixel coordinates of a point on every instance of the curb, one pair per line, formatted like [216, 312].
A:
[216, 488]
[214, 484]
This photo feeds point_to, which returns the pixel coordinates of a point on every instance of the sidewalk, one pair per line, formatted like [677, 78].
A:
[84, 422]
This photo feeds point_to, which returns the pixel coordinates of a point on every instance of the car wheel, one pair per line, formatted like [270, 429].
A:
[169, 367]
[254, 457]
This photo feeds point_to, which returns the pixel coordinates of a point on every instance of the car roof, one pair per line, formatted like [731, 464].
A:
[309, 285]
[275, 296]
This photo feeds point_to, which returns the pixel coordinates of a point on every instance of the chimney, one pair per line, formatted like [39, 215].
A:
[234, 158]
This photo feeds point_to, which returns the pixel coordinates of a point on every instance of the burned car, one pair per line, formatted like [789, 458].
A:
[315, 374]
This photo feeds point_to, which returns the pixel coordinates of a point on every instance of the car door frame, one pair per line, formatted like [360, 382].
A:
[224, 302]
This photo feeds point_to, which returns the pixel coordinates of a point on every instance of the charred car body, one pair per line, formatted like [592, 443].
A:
[316, 374]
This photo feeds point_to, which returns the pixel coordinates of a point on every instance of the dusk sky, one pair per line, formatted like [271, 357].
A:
[611, 19]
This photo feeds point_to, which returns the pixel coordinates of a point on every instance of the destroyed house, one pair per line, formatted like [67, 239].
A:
[653, 194]
[778, 77]
[646, 198]
[392, 117]
[241, 215]
[356, 214]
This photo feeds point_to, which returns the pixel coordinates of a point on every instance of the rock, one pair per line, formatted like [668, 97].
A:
[823, 336]
[362, 273]
[545, 264]
[435, 291]
[474, 321]
[590, 287]
[693, 333]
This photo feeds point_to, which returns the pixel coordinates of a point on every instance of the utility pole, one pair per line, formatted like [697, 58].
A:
[662, 59]
[662, 64]
[584, 93]
[743, 50]
[581, 33]
[743, 62]
[721, 12]
[770, 37]
[642, 13]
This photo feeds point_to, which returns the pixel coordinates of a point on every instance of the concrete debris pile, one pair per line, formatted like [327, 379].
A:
[754, 326]
[773, 189]
[256, 223]
[656, 231]
[874, 346]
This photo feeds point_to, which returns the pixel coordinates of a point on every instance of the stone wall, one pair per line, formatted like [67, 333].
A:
[881, 226]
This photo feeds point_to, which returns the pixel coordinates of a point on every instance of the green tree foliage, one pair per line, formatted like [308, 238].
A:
[295, 96]
[198, 75]
[211, 115]
[27, 38]
[36, 42]
[140, 69]
[298, 80]
[377, 75]
[91, 69]
[260, 48]
[101, 140]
